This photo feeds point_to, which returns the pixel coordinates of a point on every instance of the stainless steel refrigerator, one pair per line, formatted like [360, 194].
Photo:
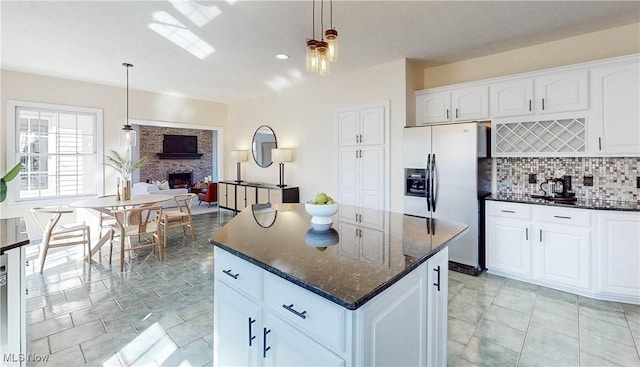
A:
[448, 175]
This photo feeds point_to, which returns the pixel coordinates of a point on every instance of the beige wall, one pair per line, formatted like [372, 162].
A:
[112, 100]
[304, 119]
[612, 42]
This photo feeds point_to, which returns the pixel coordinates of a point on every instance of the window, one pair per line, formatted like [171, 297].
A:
[59, 150]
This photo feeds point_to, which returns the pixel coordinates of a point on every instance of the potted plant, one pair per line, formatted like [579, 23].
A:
[125, 168]
[8, 177]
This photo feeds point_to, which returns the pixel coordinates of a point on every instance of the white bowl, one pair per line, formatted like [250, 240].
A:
[321, 210]
[321, 215]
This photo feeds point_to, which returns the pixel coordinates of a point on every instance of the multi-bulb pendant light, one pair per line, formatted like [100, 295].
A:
[321, 53]
[127, 134]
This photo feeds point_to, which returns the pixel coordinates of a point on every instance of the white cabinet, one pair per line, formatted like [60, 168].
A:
[437, 301]
[362, 156]
[362, 176]
[365, 126]
[287, 346]
[462, 104]
[508, 244]
[545, 245]
[13, 323]
[615, 128]
[619, 255]
[512, 97]
[587, 252]
[263, 320]
[239, 329]
[562, 91]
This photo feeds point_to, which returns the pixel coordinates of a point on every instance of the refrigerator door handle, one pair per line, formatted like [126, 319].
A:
[427, 192]
[434, 181]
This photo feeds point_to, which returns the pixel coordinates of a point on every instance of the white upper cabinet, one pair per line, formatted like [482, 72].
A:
[362, 126]
[562, 91]
[615, 127]
[464, 104]
[471, 103]
[512, 98]
[433, 107]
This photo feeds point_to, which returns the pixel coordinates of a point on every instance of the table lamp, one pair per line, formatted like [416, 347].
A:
[239, 156]
[281, 156]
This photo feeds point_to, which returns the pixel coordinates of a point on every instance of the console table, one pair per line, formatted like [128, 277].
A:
[236, 196]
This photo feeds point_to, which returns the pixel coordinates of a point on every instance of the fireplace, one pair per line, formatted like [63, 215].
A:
[180, 178]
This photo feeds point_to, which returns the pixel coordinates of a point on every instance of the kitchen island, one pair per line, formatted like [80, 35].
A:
[370, 291]
[13, 321]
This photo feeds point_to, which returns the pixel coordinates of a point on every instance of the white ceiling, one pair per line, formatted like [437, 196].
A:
[89, 41]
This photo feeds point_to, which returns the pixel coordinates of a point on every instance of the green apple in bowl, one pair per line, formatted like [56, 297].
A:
[321, 209]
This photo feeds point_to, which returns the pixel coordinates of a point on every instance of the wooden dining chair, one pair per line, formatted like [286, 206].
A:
[179, 218]
[141, 223]
[55, 234]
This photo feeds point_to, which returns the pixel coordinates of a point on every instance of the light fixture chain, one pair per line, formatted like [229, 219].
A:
[331, 14]
[313, 22]
[322, 19]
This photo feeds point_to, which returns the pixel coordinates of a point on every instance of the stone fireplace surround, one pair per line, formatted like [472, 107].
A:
[159, 169]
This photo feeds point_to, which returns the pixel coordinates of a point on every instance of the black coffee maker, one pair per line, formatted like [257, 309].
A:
[559, 189]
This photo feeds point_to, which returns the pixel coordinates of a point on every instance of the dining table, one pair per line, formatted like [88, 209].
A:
[106, 204]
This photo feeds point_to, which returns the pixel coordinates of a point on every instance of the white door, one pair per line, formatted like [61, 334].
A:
[371, 173]
[619, 253]
[285, 346]
[437, 300]
[456, 195]
[349, 176]
[617, 88]
[562, 91]
[562, 255]
[471, 103]
[433, 107]
[348, 127]
[372, 125]
[237, 329]
[508, 246]
[512, 98]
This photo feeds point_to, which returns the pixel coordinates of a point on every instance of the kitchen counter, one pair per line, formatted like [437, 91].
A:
[13, 234]
[580, 203]
[337, 271]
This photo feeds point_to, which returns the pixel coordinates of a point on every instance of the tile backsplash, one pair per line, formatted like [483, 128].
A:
[614, 178]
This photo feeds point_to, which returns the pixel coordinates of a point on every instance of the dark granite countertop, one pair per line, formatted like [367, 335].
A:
[580, 203]
[13, 233]
[347, 272]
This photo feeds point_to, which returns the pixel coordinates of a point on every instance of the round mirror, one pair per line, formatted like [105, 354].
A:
[264, 139]
[264, 214]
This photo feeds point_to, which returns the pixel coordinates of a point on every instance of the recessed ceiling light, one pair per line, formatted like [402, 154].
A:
[282, 57]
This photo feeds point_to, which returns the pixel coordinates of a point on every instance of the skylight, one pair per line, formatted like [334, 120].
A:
[170, 28]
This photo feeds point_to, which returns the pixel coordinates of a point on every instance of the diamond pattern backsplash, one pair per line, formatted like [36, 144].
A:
[614, 178]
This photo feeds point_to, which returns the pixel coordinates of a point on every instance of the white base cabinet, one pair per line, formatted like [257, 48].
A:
[619, 254]
[13, 323]
[263, 320]
[587, 252]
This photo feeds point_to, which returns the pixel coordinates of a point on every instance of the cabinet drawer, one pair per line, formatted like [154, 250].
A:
[508, 210]
[237, 273]
[310, 313]
[574, 217]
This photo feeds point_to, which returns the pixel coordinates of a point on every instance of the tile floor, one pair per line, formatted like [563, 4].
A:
[161, 313]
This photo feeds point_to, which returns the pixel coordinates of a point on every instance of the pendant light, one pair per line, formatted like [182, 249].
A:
[321, 53]
[312, 50]
[332, 36]
[127, 136]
